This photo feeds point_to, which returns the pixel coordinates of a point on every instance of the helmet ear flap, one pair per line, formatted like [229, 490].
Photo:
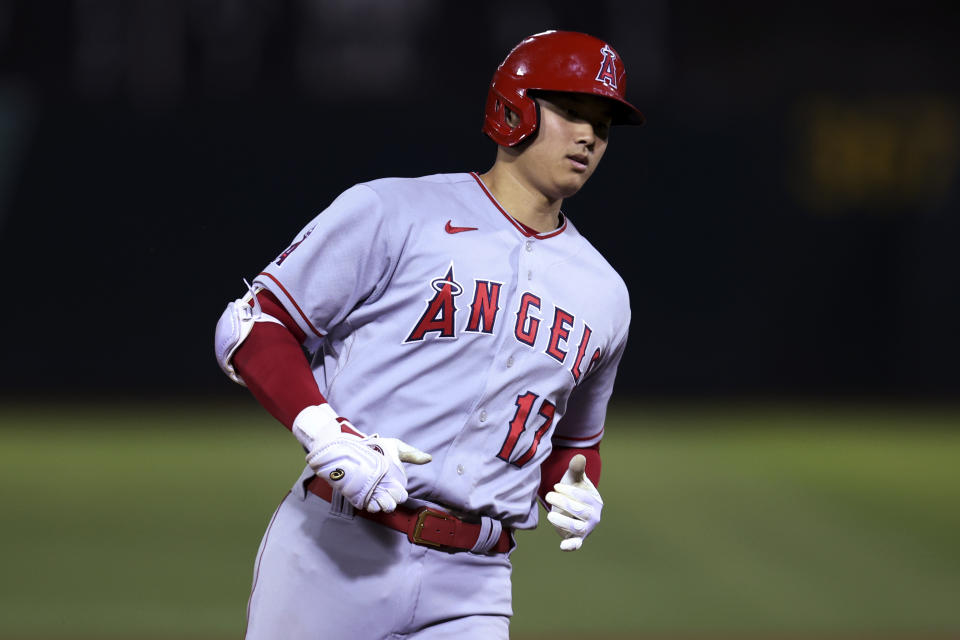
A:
[496, 124]
[536, 122]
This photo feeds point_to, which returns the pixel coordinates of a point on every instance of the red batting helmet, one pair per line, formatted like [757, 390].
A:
[554, 61]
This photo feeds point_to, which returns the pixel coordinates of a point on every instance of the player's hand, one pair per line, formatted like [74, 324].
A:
[575, 505]
[367, 471]
[392, 488]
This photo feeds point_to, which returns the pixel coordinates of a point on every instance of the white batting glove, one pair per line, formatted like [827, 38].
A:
[392, 488]
[575, 505]
[366, 470]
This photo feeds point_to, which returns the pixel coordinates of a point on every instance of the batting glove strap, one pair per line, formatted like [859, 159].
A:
[317, 425]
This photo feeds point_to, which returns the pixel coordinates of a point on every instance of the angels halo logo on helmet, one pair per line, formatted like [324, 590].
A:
[608, 70]
[567, 61]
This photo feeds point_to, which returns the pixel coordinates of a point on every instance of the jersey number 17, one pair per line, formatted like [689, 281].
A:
[518, 425]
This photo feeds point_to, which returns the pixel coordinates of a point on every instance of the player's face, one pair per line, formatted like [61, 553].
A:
[569, 144]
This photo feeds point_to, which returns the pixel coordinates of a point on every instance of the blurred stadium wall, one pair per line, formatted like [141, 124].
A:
[787, 221]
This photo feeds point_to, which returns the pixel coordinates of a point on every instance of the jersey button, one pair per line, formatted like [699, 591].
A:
[529, 245]
[509, 362]
[483, 415]
[459, 469]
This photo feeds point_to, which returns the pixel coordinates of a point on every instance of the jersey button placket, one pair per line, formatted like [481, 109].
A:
[528, 246]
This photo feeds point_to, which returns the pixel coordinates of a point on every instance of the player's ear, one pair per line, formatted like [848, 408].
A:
[511, 116]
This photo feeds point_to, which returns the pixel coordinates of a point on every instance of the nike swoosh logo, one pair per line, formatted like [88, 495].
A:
[449, 228]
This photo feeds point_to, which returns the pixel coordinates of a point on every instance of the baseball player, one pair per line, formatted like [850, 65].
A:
[462, 340]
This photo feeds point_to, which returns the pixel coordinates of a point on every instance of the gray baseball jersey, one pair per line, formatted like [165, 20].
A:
[437, 319]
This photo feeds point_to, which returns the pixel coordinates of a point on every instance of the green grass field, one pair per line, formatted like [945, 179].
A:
[143, 522]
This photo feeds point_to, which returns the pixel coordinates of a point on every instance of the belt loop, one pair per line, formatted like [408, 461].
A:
[490, 531]
[340, 507]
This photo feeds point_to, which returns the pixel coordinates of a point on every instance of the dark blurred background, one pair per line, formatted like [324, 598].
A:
[787, 221]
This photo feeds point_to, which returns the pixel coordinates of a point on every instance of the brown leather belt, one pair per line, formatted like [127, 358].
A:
[424, 526]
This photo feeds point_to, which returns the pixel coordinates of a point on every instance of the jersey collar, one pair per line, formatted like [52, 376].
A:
[522, 228]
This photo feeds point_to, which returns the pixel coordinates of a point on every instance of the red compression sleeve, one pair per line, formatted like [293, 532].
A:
[274, 367]
[556, 464]
[272, 307]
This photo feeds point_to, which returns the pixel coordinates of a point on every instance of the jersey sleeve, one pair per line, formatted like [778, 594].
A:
[341, 258]
[583, 422]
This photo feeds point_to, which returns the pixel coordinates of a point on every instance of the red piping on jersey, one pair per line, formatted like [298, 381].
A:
[271, 305]
[563, 437]
[294, 303]
[522, 228]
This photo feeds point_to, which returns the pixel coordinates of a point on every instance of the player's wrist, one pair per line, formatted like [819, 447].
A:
[317, 425]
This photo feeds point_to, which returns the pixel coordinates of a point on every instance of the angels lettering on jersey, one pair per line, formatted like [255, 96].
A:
[439, 320]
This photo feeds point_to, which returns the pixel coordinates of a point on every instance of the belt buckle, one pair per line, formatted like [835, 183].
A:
[421, 521]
